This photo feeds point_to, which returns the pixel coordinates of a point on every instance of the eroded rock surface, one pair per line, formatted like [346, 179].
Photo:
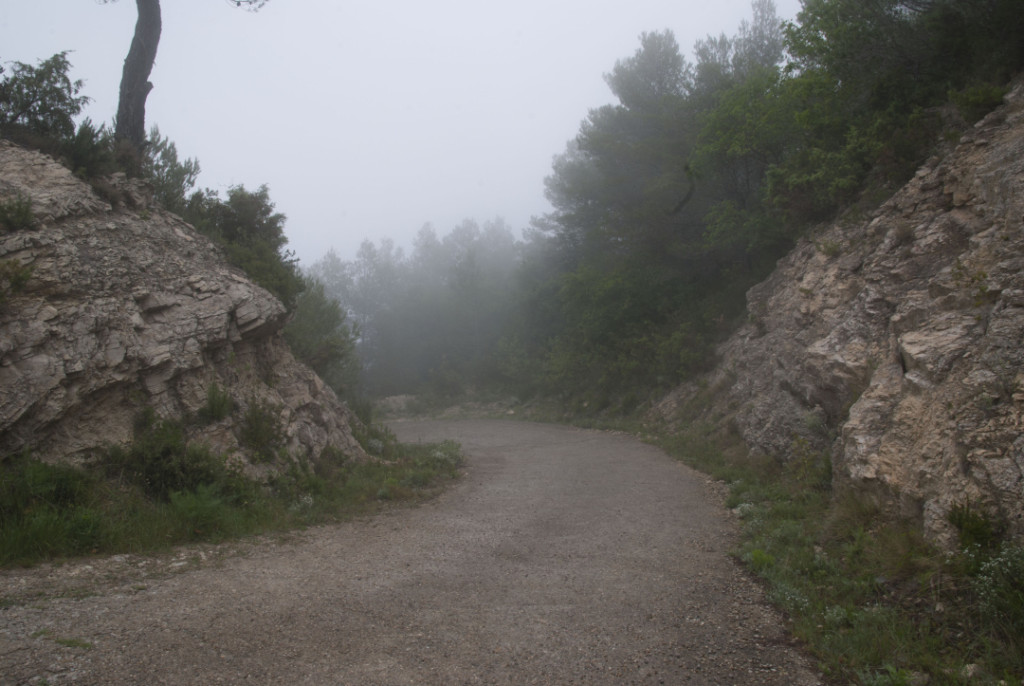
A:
[129, 307]
[897, 341]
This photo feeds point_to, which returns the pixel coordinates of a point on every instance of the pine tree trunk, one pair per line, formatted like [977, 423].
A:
[135, 86]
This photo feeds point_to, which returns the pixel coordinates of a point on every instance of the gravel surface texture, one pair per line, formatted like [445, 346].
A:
[564, 556]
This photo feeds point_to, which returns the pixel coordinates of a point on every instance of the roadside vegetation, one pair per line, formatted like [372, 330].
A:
[873, 602]
[162, 490]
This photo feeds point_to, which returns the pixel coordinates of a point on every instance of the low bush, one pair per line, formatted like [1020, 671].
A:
[16, 213]
[999, 586]
[161, 491]
[260, 431]
[90, 152]
[160, 461]
[974, 528]
[868, 596]
[48, 510]
[219, 405]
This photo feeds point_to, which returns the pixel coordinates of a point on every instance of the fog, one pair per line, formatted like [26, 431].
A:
[368, 119]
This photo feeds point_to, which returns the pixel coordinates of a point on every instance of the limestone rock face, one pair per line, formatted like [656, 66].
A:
[129, 308]
[896, 341]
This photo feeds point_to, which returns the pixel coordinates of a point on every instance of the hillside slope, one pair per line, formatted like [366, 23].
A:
[896, 342]
[128, 307]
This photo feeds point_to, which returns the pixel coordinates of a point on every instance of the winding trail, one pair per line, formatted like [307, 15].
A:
[565, 556]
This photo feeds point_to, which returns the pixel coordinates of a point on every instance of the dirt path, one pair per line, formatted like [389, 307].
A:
[564, 557]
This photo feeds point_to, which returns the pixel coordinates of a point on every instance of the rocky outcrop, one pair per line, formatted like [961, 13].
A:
[128, 307]
[896, 341]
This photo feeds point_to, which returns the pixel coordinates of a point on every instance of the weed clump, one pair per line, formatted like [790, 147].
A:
[974, 528]
[999, 586]
[219, 405]
[47, 510]
[16, 213]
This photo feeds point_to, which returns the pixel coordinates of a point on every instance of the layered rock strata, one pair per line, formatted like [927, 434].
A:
[896, 342]
[128, 307]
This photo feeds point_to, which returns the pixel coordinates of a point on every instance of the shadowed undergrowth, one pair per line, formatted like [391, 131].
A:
[162, 491]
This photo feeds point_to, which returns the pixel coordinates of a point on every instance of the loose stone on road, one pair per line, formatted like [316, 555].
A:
[565, 556]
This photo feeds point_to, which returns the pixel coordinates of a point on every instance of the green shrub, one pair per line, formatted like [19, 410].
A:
[204, 512]
[331, 465]
[90, 152]
[260, 431]
[974, 102]
[14, 277]
[218, 406]
[41, 100]
[47, 510]
[27, 483]
[1000, 589]
[974, 528]
[160, 461]
[16, 213]
[376, 439]
[171, 179]
[160, 491]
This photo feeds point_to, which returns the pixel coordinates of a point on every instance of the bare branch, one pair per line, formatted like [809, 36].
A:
[250, 5]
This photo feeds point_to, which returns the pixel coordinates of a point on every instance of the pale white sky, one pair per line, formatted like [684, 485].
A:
[368, 118]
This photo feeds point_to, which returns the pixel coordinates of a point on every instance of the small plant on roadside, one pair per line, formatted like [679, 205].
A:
[375, 439]
[73, 643]
[888, 676]
[46, 510]
[161, 490]
[161, 461]
[205, 513]
[865, 592]
[999, 586]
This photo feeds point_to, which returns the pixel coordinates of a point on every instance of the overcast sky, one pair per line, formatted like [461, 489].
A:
[368, 118]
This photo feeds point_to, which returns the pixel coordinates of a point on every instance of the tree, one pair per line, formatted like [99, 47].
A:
[252, 235]
[42, 100]
[320, 336]
[130, 124]
[171, 178]
[655, 73]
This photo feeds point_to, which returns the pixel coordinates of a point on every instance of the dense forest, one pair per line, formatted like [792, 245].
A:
[668, 205]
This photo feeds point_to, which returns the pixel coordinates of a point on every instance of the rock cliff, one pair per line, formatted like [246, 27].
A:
[128, 307]
[896, 342]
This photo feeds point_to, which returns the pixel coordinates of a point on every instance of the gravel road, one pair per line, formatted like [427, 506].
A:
[565, 556]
